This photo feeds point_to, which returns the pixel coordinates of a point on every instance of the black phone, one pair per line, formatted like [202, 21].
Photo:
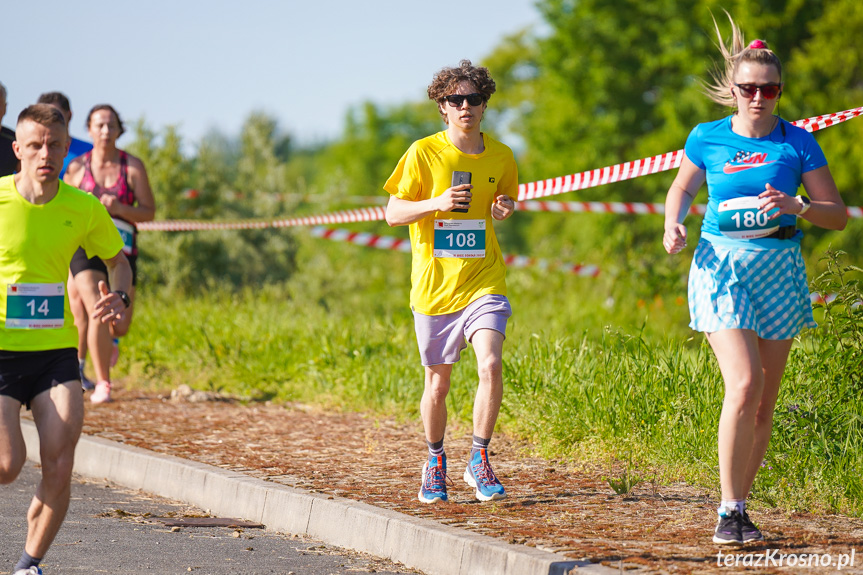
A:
[459, 178]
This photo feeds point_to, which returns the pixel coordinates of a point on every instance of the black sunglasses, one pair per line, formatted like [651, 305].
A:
[456, 100]
[768, 91]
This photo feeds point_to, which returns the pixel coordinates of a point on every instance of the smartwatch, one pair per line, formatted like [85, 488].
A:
[804, 204]
[127, 302]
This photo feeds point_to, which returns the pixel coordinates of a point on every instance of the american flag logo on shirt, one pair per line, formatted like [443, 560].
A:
[744, 160]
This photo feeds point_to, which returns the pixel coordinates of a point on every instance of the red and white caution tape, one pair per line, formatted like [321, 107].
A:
[402, 245]
[379, 214]
[363, 239]
[623, 208]
[645, 166]
[600, 207]
[344, 217]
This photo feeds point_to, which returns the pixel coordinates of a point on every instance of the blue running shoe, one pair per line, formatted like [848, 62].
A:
[86, 383]
[480, 475]
[433, 488]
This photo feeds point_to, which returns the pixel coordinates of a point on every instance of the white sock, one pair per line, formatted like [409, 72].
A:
[738, 504]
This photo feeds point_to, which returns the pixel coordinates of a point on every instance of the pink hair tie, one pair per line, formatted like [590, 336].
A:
[757, 45]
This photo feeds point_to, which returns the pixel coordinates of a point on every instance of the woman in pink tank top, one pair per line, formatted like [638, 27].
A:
[120, 181]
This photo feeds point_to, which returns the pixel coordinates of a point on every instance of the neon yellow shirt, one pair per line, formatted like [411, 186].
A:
[36, 246]
[449, 269]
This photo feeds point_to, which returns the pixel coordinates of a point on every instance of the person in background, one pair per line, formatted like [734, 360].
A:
[747, 284]
[8, 160]
[120, 182]
[458, 278]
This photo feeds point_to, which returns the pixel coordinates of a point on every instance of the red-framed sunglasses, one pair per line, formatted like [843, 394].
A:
[768, 91]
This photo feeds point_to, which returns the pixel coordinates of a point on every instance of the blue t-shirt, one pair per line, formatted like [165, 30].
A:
[738, 166]
[76, 148]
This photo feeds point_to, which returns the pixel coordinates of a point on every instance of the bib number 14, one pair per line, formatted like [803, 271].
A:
[35, 306]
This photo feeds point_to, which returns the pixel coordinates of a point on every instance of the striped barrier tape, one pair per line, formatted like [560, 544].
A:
[624, 208]
[645, 166]
[529, 191]
[402, 245]
[379, 214]
[343, 217]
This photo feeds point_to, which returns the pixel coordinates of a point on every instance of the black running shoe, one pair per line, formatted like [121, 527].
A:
[728, 529]
[748, 529]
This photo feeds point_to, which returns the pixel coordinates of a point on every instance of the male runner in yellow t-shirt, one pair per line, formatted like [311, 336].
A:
[44, 221]
[458, 285]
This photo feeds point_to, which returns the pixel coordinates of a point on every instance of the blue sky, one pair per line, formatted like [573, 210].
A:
[203, 65]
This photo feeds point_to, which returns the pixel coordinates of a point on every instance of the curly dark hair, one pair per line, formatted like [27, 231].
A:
[446, 81]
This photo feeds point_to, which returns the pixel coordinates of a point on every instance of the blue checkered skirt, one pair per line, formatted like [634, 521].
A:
[738, 288]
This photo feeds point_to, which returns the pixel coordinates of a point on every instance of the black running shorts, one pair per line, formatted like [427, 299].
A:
[81, 262]
[26, 374]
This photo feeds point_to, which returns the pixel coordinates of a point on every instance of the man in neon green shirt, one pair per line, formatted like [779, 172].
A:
[458, 275]
[44, 221]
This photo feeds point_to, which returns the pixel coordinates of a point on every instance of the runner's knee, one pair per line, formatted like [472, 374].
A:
[490, 369]
[10, 467]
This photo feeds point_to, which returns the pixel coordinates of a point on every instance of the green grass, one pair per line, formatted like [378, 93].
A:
[591, 369]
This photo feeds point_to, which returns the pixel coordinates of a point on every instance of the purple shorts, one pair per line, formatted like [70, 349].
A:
[442, 337]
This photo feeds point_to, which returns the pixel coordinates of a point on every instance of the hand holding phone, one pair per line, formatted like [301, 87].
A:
[459, 178]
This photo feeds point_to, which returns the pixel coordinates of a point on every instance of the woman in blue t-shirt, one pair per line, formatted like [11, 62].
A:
[747, 285]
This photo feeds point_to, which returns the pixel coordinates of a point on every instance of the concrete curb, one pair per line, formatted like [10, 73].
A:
[423, 544]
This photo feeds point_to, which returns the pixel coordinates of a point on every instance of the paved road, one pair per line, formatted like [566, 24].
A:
[113, 530]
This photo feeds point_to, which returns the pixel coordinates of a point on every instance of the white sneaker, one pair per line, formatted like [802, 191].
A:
[28, 571]
[102, 393]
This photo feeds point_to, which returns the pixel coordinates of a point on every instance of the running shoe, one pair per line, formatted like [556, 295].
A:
[115, 351]
[748, 529]
[102, 393]
[728, 528]
[480, 476]
[86, 383]
[433, 488]
[29, 571]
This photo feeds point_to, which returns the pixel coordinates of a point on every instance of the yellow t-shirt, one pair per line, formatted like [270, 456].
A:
[456, 257]
[36, 246]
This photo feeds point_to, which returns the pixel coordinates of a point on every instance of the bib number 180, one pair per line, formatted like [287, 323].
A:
[750, 219]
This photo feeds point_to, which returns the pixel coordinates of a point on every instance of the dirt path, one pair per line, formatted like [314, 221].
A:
[559, 506]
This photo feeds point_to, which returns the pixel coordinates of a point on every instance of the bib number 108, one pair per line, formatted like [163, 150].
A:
[461, 240]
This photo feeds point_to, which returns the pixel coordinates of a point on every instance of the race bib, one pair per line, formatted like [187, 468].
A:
[127, 232]
[740, 218]
[459, 238]
[34, 306]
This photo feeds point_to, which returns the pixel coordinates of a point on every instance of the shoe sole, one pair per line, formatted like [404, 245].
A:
[468, 478]
[719, 541]
[429, 501]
